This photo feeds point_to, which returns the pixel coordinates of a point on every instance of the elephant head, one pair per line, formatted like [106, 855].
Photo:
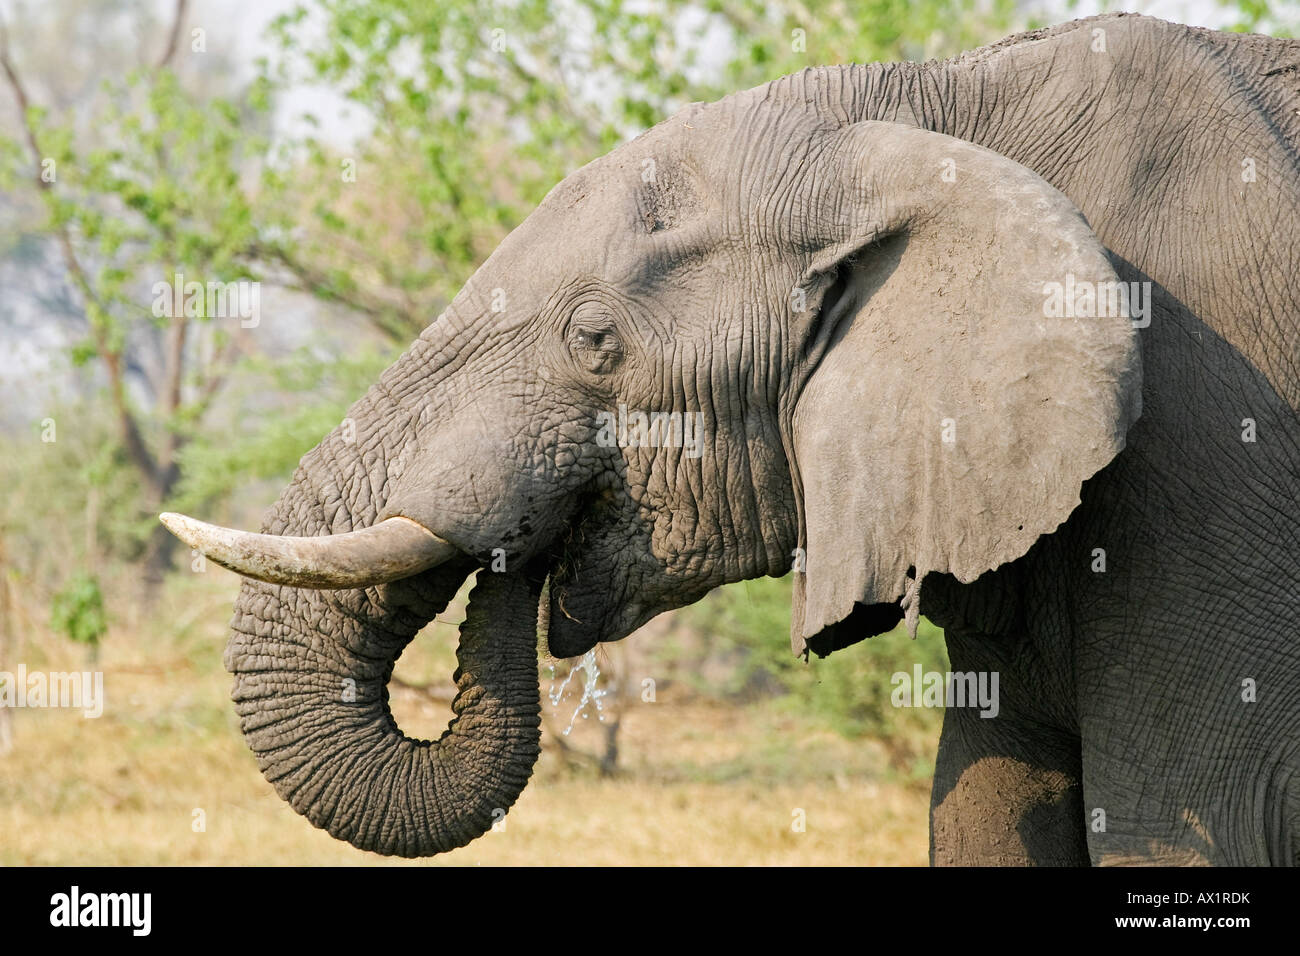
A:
[761, 336]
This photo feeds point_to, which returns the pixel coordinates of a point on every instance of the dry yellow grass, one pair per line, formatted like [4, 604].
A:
[699, 783]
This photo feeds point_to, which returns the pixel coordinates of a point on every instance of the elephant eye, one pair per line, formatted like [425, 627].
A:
[598, 350]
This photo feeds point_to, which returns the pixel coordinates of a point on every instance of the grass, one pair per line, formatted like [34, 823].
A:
[700, 782]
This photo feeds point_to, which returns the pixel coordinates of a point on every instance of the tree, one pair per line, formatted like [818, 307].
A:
[152, 197]
[475, 108]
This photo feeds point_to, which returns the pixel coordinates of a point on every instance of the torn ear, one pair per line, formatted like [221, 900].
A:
[948, 421]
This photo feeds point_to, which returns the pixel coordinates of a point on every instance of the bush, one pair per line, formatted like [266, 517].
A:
[735, 644]
[77, 611]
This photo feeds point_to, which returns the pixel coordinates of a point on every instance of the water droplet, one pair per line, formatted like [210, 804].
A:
[591, 693]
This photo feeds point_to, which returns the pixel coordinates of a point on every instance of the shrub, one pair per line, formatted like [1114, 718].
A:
[735, 644]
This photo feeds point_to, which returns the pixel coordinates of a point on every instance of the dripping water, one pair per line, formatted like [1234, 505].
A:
[591, 693]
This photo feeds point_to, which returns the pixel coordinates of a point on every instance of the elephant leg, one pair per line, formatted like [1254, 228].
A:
[1007, 788]
[1005, 795]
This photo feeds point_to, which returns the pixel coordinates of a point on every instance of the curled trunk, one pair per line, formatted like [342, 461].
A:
[311, 671]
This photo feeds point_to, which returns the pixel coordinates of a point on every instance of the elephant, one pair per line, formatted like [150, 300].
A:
[1011, 340]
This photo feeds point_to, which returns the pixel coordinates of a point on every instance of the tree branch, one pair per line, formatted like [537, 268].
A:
[217, 372]
[389, 319]
[173, 36]
[177, 332]
[20, 94]
[131, 436]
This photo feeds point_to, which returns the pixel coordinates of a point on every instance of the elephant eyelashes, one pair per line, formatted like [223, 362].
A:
[596, 350]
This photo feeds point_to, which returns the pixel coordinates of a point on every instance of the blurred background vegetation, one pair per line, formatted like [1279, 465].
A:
[358, 159]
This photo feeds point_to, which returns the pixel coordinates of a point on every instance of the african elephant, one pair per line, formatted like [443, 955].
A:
[1011, 340]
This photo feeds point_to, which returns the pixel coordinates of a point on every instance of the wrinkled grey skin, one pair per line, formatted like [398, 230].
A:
[671, 285]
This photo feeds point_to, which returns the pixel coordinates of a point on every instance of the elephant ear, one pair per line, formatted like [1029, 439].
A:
[962, 384]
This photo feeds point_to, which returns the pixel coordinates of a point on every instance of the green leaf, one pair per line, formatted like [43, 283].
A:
[77, 610]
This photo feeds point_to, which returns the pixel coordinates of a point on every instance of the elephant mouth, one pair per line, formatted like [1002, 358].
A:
[567, 635]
